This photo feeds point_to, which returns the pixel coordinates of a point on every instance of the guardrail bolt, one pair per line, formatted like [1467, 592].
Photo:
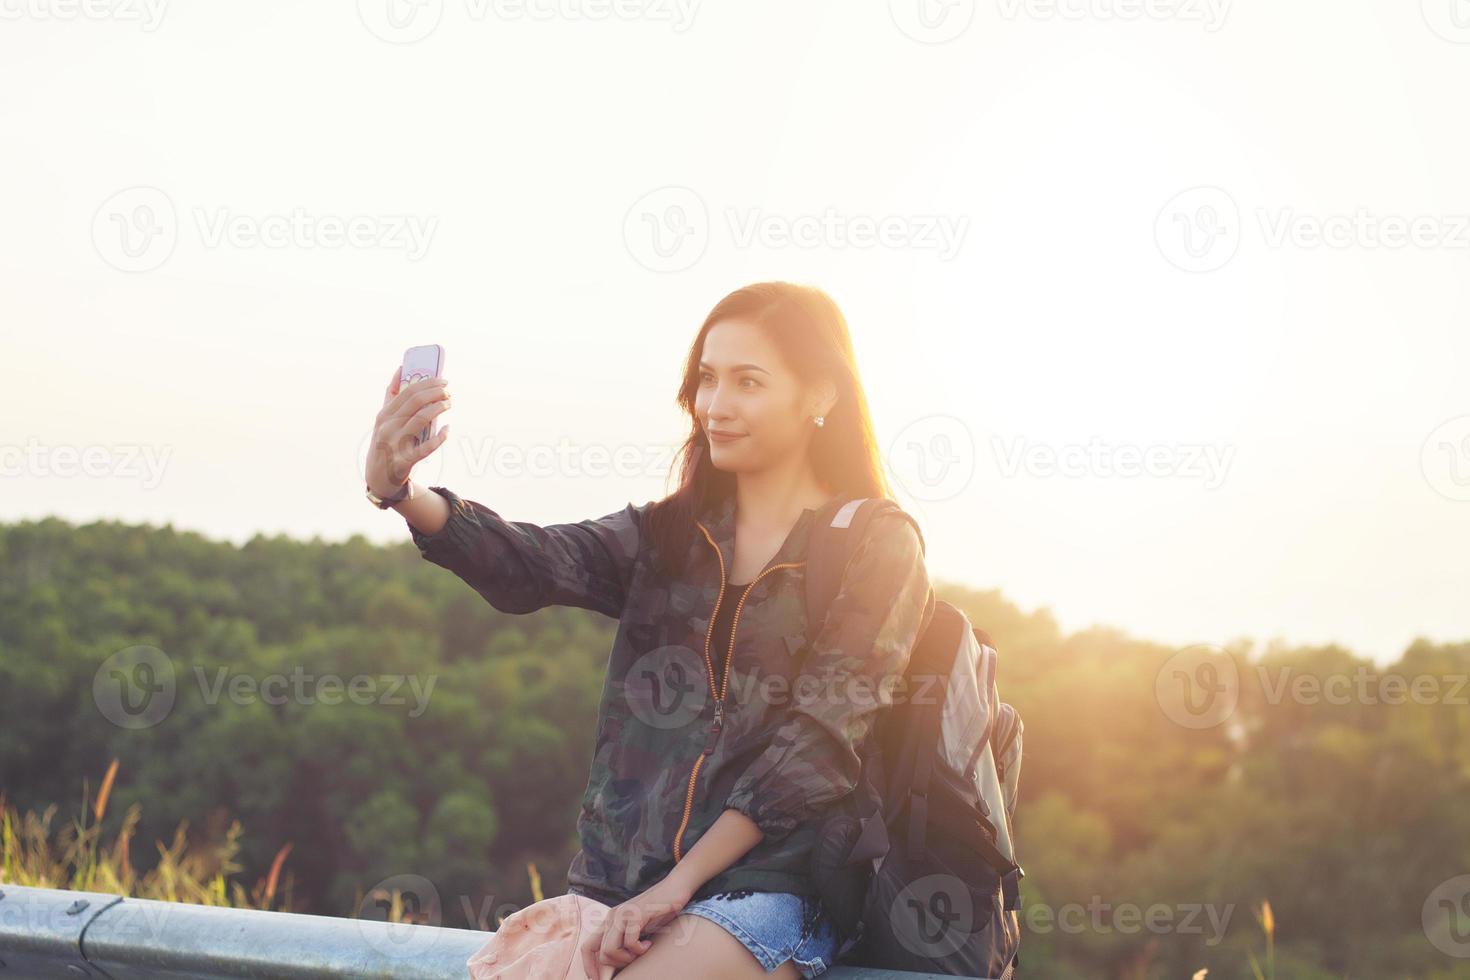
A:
[76, 906]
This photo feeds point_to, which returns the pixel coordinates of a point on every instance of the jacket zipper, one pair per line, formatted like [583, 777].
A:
[719, 720]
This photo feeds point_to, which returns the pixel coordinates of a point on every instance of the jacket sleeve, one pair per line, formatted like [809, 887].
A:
[520, 567]
[882, 607]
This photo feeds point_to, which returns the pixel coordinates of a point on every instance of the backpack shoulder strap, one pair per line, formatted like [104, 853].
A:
[836, 531]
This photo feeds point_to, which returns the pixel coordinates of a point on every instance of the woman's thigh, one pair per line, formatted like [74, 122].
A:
[693, 946]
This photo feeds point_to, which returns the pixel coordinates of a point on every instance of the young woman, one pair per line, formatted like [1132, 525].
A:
[723, 739]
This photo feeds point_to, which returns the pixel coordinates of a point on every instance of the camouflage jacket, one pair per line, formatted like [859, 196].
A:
[781, 745]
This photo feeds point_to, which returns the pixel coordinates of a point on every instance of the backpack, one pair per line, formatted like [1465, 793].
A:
[918, 862]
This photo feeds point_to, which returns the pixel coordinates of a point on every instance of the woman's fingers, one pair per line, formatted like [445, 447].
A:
[428, 447]
[392, 386]
[631, 943]
[403, 433]
[413, 395]
[615, 946]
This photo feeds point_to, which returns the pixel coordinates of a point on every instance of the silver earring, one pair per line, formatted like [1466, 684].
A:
[821, 420]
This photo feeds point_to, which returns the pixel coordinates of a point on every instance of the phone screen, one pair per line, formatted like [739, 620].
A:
[426, 361]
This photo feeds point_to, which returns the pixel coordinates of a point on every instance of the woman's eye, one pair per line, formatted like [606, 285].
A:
[706, 378]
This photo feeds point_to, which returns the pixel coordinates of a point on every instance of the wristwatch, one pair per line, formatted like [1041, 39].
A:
[404, 492]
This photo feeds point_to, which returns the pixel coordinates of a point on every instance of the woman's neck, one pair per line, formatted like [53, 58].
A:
[765, 505]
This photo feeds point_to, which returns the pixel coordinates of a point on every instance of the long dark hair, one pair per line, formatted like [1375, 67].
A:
[811, 333]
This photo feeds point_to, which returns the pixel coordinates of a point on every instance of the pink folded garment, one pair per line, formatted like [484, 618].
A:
[541, 942]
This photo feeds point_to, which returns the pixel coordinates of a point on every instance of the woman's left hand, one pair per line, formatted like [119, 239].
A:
[619, 941]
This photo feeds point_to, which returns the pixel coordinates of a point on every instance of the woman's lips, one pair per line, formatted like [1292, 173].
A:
[719, 437]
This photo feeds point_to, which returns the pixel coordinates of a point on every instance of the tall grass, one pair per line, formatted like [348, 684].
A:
[76, 857]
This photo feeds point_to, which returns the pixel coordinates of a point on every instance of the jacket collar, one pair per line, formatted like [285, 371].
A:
[719, 520]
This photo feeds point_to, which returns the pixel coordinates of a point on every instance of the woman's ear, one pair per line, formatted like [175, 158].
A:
[823, 399]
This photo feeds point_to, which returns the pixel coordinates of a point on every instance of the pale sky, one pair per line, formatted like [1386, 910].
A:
[1231, 239]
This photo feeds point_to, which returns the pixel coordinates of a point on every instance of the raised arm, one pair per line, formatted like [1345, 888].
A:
[520, 567]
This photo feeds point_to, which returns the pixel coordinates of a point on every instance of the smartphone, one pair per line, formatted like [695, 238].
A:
[426, 361]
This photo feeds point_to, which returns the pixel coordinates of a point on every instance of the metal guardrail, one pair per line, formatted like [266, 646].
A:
[49, 932]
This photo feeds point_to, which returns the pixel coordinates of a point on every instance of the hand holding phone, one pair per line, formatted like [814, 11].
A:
[426, 361]
[404, 431]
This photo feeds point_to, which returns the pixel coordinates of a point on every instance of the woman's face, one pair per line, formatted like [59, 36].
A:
[745, 388]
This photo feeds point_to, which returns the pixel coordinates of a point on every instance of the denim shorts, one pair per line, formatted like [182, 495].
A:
[775, 927]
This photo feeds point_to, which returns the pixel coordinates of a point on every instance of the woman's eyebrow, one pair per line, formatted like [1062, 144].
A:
[739, 367]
